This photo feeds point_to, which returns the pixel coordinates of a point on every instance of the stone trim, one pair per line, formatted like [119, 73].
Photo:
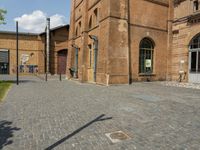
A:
[159, 2]
[176, 2]
[94, 5]
[152, 28]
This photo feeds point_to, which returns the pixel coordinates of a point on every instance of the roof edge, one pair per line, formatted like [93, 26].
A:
[32, 34]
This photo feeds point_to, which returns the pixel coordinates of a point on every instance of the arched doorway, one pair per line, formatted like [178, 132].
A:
[62, 61]
[194, 60]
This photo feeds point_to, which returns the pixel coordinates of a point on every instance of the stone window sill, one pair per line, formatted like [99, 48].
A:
[147, 74]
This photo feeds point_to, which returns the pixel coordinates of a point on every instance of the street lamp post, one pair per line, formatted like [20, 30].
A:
[17, 54]
[47, 46]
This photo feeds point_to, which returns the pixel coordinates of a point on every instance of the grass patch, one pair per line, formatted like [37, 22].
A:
[4, 86]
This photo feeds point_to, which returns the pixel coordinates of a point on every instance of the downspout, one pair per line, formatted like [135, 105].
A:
[129, 44]
[95, 59]
[75, 75]
[95, 38]
[169, 39]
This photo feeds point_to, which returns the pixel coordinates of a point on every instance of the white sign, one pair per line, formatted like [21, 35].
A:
[4, 50]
[148, 63]
[24, 58]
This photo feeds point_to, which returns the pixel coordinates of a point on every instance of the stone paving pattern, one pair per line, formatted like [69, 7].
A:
[38, 115]
[182, 84]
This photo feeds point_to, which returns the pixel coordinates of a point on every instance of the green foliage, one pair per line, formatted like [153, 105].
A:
[4, 86]
[2, 16]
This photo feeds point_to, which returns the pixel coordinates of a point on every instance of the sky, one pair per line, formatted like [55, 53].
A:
[32, 14]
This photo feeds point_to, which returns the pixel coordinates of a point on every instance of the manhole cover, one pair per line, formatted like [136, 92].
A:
[117, 136]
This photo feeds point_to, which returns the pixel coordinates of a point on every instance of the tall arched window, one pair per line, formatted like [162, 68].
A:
[80, 29]
[76, 31]
[96, 16]
[195, 54]
[146, 56]
[90, 22]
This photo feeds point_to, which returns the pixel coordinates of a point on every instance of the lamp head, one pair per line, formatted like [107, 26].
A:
[93, 37]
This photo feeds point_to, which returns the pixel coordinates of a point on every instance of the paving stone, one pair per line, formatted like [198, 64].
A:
[68, 115]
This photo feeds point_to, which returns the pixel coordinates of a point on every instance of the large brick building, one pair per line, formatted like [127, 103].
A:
[32, 51]
[132, 40]
[117, 42]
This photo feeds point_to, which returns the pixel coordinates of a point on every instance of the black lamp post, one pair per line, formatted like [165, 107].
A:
[17, 54]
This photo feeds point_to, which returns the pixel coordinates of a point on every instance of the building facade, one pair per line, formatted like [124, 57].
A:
[116, 42]
[120, 42]
[186, 40]
[32, 52]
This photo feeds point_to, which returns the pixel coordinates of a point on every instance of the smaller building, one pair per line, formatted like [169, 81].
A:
[32, 51]
[186, 40]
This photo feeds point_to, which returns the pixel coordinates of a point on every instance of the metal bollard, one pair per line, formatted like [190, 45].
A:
[60, 77]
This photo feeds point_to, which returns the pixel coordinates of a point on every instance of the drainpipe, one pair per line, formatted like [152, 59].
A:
[75, 75]
[169, 37]
[95, 38]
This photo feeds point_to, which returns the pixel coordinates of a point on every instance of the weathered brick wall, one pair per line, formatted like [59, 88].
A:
[59, 41]
[28, 44]
[118, 51]
[149, 19]
[33, 45]
[183, 32]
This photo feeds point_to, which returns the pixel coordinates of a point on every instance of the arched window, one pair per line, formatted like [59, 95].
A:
[76, 31]
[195, 43]
[146, 56]
[96, 16]
[195, 5]
[195, 54]
[80, 27]
[90, 22]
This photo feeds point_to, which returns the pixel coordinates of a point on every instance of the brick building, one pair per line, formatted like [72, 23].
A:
[186, 40]
[117, 42]
[32, 51]
[120, 42]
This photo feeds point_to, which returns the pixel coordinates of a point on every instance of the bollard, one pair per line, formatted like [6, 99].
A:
[60, 77]
[46, 77]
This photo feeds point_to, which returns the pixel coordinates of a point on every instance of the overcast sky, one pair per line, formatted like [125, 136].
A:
[32, 14]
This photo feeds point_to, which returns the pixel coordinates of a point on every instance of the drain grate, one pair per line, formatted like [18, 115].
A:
[117, 136]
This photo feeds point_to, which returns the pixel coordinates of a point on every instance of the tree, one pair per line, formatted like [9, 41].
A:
[2, 16]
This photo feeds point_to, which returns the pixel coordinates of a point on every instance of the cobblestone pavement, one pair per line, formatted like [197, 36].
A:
[181, 84]
[68, 115]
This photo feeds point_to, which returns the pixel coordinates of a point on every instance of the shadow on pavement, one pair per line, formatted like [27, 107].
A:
[99, 118]
[6, 133]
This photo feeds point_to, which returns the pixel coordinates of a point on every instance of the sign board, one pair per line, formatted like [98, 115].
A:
[148, 63]
[24, 58]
